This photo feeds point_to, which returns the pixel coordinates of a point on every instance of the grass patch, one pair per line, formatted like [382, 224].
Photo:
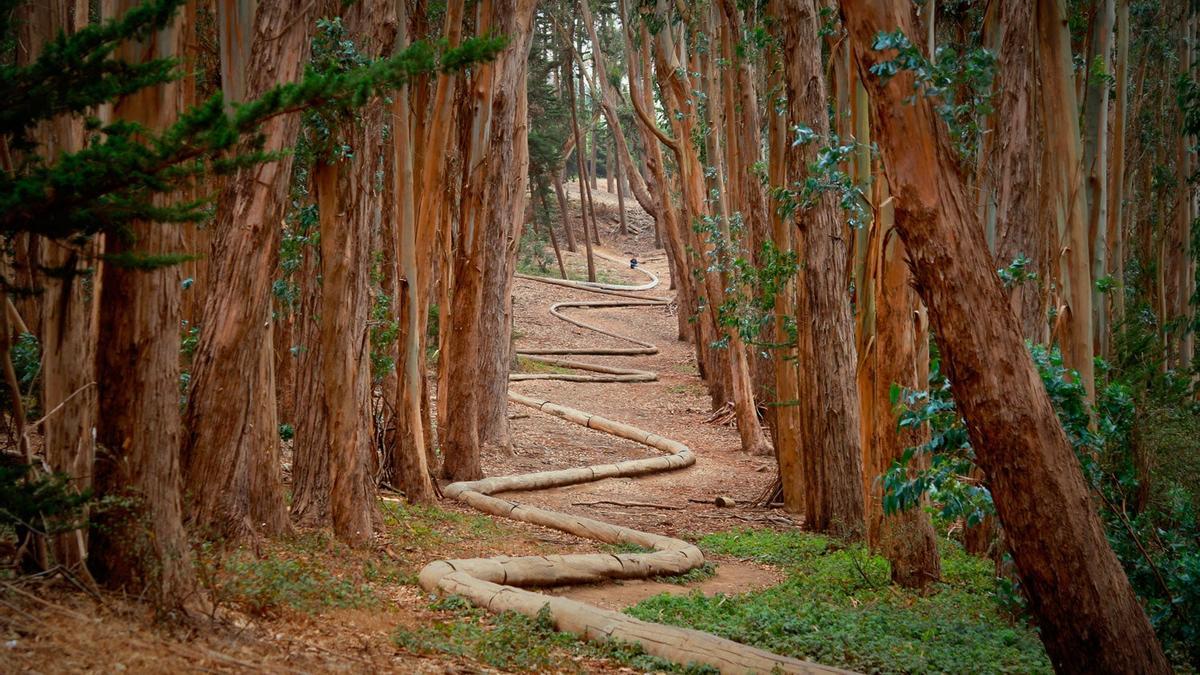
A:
[287, 579]
[428, 527]
[836, 607]
[704, 572]
[528, 365]
[515, 642]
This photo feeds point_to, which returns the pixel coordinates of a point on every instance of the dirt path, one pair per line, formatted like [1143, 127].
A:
[498, 583]
[677, 405]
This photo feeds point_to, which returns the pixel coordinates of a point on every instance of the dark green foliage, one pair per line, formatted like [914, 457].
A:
[119, 177]
[265, 586]
[836, 607]
[26, 356]
[45, 503]
[1142, 417]
[958, 81]
[751, 283]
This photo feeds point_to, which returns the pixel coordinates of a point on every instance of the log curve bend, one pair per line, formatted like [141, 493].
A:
[497, 583]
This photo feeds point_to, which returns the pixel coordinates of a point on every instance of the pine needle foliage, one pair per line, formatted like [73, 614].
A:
[128, 172]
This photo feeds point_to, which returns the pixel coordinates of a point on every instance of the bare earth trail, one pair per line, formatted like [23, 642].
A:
[613, 482]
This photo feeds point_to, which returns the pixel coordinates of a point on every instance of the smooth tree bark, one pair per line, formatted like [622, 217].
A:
[409, 458]
[1064, 182]
[1090, 619]
[231, 451]
[830, 447]
[142, 548]
[1116, 174]
[1095, 161]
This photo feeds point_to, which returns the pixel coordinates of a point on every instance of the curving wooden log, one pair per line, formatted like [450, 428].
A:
[496, 583]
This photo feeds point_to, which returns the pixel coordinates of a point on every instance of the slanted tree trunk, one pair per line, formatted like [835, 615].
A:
[142, 548]
[231, 451]
[607, 98]
[830, 448]
[1090, 618]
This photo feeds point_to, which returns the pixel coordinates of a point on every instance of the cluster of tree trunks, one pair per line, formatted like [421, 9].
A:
[448, 215]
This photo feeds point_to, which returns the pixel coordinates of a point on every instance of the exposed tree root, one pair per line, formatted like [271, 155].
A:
[494, 583]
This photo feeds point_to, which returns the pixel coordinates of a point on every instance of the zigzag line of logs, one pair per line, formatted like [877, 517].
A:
[498, 583]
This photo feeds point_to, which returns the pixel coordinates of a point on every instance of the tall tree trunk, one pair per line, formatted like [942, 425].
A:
[1090, 618]
[1020, 229]
[409, 451]
[67, 332]
[504, 215]
[345, 346]
[346, 298]
[830, 448]
[231, 451]
[490, 207]
[561, 195]
[787, 415]
[1095, 162]
[144, 549]
[907, 538]
[1116, 189]
[310, 447]
[1065, 181]
[581, 166]
[608, 98]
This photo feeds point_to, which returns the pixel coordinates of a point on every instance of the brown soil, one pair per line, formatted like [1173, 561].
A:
[51, 627]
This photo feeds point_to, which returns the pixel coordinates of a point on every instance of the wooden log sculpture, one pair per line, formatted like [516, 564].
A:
[497, 583]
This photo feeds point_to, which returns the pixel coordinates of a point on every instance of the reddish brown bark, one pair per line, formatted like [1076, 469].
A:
[830, 448]
[310, 447]
[1019, 228]
[492, 210]
[143, 549]
[1090, 618]
[231, 452]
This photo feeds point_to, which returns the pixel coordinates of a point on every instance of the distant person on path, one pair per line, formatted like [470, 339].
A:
[633, 263]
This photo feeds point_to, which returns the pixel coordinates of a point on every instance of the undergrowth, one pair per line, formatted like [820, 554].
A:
[837, 608]
[516, 642]
[311, 571]
[294, 578]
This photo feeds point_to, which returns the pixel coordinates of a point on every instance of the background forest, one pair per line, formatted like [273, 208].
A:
[932, 263]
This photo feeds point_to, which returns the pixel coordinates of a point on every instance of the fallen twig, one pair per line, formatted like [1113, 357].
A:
[649, 505]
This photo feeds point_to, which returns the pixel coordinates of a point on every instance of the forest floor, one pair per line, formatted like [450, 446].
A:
[307, 603]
